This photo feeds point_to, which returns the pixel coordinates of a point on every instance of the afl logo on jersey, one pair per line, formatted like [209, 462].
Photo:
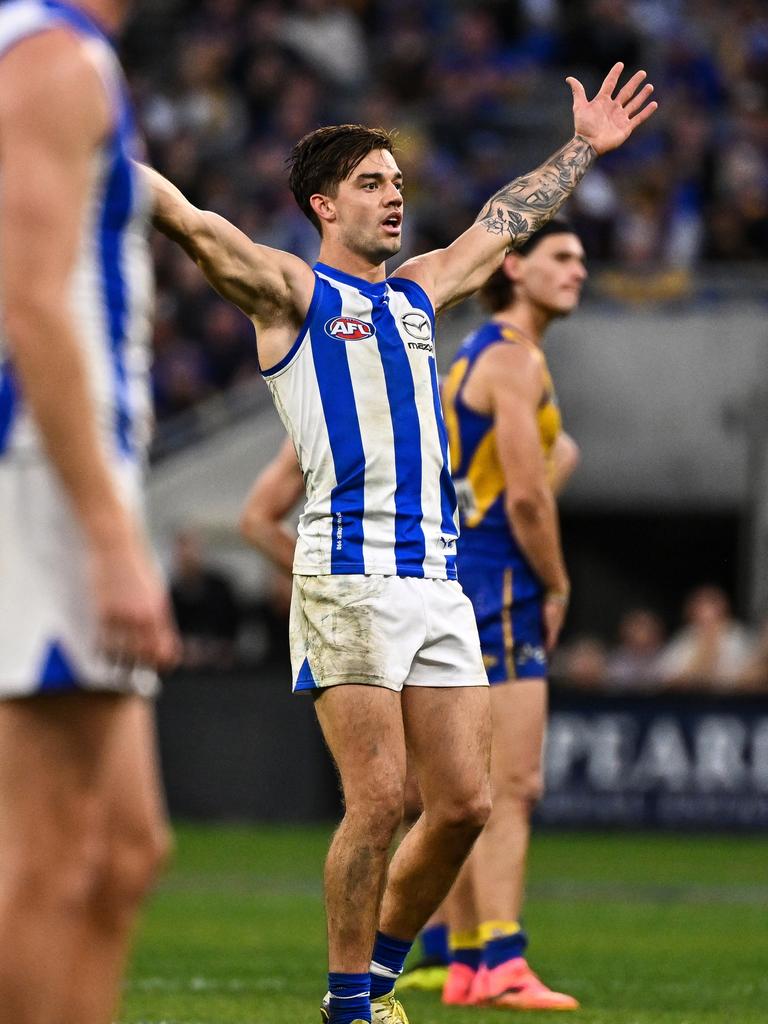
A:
[348, 328]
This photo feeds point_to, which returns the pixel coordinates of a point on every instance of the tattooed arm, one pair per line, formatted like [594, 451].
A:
[520, 208]
[528, 202]
[506, 221]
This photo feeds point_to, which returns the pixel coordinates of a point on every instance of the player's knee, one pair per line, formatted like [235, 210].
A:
[466, 814]
[520, 784]
[379, 810]
[139, 860]
[527, 787]
[533, 790]
[131, 867]
[412, 804]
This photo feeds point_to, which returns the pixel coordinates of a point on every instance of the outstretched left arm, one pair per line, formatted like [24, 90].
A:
[524, 205]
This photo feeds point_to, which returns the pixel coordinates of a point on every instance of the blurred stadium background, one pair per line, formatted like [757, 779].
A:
[659, 717]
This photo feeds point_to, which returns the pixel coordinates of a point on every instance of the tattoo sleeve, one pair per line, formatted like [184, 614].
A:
[528, 202]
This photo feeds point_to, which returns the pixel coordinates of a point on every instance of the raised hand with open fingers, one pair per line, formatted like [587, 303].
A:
[607, 121]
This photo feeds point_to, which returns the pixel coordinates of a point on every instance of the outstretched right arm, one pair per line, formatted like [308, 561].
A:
[268, 285]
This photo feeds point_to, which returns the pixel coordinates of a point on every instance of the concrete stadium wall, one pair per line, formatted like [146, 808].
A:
[647, 395]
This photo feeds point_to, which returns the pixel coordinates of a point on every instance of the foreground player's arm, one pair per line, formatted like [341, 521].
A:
[514, 380]
[53, 114]
[520, 208]
[565, 457]
[274, 494]
[266, 284]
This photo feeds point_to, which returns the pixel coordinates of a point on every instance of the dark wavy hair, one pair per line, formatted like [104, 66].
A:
[327, 156]
[498, 290]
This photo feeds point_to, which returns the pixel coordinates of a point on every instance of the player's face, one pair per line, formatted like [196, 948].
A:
[369, 207]
[553, 275]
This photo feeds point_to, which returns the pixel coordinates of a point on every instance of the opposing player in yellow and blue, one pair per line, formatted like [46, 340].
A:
[510, 457]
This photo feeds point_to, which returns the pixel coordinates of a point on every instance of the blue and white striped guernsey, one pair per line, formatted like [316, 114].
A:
[112, 283]
[358, 394]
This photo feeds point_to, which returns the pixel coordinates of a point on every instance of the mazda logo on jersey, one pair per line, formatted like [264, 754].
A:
[348, 328]
[417, 325]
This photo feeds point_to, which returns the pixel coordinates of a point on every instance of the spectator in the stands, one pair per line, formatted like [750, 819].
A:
[230, 346]
[581, 663]
[205, 604]
[634, 664]
[712, 650]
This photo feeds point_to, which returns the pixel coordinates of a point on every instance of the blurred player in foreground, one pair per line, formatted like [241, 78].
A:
[381, 633]
[84, 615]
[510, 459]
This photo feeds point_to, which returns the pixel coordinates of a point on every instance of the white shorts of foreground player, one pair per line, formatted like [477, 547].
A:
[49, 638]
[389, 631]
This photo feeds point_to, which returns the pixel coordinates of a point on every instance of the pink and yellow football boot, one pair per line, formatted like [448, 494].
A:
[513, 986]
[459, 984]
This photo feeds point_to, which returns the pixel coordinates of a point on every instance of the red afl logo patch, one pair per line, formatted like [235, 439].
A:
[348, 328]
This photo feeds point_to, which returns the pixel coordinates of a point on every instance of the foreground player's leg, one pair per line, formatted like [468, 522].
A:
[54, 752]
[519, 715]
[428, 973]
[136, 842]
[363, 727]
[448, 733]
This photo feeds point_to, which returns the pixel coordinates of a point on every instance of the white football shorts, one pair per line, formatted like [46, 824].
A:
[48, 632]
[389, 631]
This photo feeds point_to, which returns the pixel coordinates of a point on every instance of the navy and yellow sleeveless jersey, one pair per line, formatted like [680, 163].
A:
[475, 464]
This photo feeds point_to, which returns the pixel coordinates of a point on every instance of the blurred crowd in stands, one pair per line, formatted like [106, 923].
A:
[221, 625]
[225, 87]
[711, 651]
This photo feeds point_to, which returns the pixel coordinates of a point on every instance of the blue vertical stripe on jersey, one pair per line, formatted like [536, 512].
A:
[341, 418]
[9, 401]
[410, 544]
[115, 215]
[447, 490]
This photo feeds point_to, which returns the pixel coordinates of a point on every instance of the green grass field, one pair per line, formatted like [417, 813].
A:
[642, 928]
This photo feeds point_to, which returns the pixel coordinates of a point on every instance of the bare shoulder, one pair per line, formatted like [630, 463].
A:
[50, 84]
[508, 363]
[501, 374]
[296, 272]
[283, 287]
[418, 270]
